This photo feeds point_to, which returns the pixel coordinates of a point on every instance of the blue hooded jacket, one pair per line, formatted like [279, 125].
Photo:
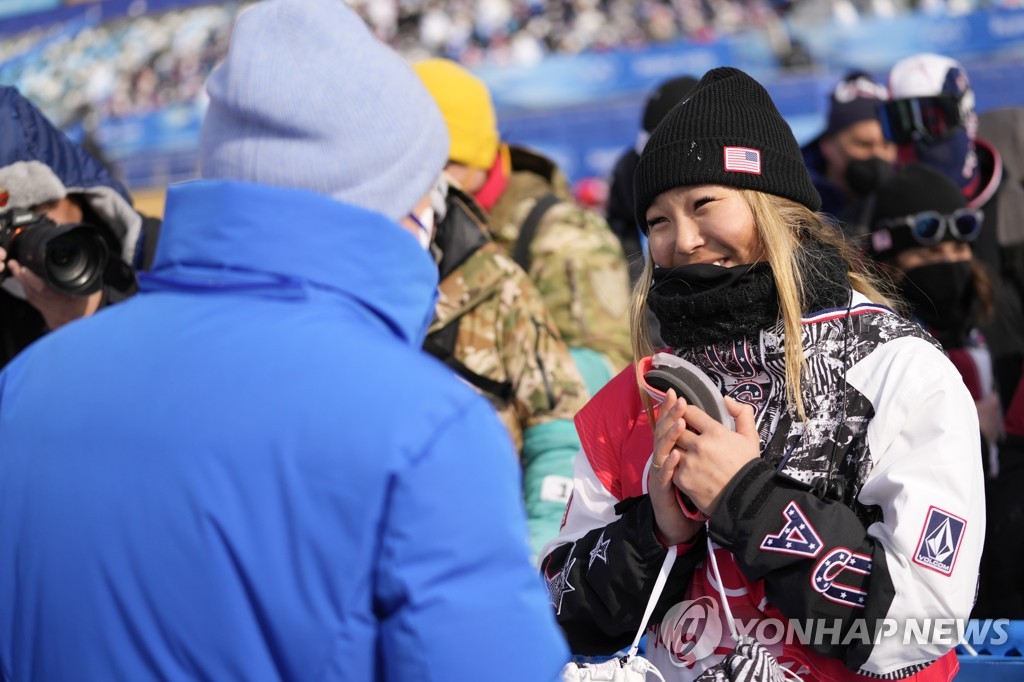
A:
[249, 471]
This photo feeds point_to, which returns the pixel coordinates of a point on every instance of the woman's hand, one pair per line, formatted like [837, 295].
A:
[710, 454]
[673, 526]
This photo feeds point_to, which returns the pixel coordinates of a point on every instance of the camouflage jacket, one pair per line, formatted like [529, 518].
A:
[503, 332]
[575, 260]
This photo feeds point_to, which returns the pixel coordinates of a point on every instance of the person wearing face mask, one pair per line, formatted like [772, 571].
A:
[851, 156]
[922, 233]
[571, 255]
[850, 488]
[493, 329]
[932, 120]
[45, 173]
[251, 470]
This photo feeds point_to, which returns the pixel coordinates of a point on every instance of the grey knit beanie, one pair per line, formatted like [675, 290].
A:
[727, 132]
[309, 98]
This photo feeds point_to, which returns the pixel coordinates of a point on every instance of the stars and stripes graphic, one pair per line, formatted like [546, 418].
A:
[797, 537]
[742, 160]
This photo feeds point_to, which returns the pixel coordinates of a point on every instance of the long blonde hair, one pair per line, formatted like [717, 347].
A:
[783, 227]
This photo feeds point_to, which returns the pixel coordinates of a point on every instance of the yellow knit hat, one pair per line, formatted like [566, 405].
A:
[466, 106]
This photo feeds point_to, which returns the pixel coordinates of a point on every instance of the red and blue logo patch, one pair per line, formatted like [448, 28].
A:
[940, 541]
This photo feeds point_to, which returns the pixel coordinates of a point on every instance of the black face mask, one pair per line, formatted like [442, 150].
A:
[697, 305]
[700, 304]
[942, 295]
[865, 175]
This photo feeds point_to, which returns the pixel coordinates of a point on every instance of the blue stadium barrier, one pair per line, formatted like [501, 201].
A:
[999, 649]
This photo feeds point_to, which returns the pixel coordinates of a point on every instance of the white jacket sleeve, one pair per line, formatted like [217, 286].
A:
[928, 481]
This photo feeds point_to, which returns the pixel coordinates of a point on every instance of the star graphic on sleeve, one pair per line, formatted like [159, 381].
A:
[600, 551]
[558, 585]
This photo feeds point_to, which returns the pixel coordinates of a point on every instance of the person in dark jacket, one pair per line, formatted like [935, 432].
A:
[932, 120]
[922, 235]
[620, 191]
[851, 156]
[44, 172]
[258, 474]
[569, 252]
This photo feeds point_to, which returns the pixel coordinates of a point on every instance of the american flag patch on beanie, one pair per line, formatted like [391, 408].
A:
[742, 160]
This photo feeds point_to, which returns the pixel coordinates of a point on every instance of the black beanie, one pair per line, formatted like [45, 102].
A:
[856, 98]
[909, 190]
[664, 97]
[728, 132]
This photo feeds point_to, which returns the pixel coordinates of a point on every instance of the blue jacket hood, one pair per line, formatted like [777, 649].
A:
[38, 163]
[220, 234]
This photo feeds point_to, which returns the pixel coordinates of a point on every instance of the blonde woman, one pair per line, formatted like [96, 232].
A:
[846, 506]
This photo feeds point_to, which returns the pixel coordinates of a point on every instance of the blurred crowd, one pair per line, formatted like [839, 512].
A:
[134, 65]
[138, 64]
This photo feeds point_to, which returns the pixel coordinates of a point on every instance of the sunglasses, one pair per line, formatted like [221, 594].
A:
[926, 119]
[930, 227]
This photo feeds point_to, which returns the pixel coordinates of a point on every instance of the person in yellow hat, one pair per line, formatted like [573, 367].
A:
[570, 253]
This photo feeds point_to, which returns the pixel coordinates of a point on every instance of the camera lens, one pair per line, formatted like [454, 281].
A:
[70, 257]
[75, 260]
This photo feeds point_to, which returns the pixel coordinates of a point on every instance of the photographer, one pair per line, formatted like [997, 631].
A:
[45, 173]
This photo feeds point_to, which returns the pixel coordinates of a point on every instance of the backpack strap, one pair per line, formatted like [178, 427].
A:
[528, 230]
[441, 344]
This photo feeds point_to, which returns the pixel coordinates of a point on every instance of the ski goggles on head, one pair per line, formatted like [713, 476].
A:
[926, 119]
[931, 227]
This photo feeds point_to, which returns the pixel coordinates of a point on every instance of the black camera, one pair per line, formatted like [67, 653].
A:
[69, 257]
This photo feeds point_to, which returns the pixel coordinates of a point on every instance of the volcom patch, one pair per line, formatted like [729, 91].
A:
[940, 541]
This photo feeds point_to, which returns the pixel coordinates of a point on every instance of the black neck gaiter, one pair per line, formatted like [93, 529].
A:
[700, 305]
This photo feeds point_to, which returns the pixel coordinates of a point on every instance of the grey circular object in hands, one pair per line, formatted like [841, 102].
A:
[691, 383]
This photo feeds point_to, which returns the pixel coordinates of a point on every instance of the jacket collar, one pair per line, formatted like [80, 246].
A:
[222, 235]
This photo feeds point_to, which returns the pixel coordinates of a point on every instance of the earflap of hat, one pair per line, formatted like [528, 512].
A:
[31, 183]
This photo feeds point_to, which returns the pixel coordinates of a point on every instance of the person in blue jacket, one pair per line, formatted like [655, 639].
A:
[249, 470]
